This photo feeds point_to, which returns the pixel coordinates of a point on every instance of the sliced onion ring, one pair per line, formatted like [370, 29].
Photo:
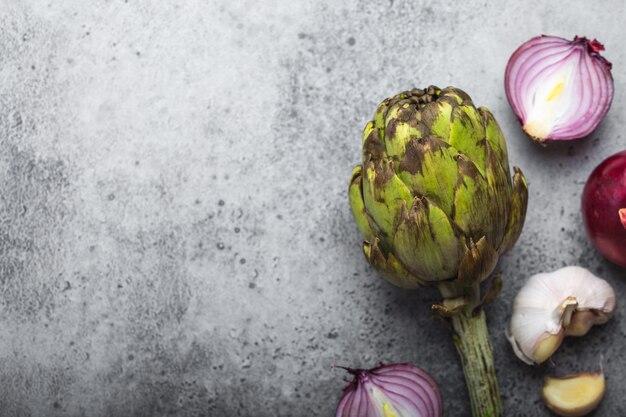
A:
[559, 89]
[401, 390]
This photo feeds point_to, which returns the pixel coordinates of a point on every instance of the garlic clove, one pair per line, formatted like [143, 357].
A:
[547, 346]
[574, 395]
[550, 306]
[582, 321]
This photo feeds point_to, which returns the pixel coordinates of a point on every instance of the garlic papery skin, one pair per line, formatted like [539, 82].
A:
[550, 306]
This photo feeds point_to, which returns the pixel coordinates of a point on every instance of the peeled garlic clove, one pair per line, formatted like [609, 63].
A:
[574, 395]
[566, 302]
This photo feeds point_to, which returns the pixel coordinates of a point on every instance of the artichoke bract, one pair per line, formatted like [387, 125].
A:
[436, 204]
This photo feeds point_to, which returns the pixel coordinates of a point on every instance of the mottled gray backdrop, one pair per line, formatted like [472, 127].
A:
[175, 236]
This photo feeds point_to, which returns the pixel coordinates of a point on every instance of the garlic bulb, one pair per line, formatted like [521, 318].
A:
[566, 302]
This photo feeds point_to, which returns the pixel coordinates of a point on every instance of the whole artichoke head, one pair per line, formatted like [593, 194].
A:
[434, 197]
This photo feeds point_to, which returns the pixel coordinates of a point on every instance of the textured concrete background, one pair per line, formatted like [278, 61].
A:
[175, 235]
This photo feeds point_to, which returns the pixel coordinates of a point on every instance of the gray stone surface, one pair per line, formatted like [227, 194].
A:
[175, 235]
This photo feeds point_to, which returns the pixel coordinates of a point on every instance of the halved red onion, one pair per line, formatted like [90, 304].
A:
[559, 89]
[400, 390]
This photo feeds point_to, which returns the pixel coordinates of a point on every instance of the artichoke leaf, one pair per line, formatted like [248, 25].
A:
[458, 95]
[381, 117]
[426, 241]
[467, 135]
[402, 125]
[499, 196]
[517, 215]
[373, 147]
[472, 206]
[381, 112]
[357, 205]
[384, 195]
[495, 137]
[477, 263]
[390, 267]
[429, 169]
[437, 116]
[493, 290]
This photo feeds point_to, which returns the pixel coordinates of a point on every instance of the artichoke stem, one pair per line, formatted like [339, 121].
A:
[471, 338]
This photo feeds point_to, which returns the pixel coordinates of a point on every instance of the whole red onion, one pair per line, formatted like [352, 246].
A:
[604, 208]
[401, 390]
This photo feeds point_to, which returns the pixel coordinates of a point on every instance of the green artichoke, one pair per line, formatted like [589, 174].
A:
[433, 198]
[435, 202]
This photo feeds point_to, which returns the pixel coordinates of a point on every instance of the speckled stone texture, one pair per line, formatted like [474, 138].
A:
[175, 234]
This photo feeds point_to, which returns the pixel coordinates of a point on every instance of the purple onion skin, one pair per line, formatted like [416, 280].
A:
[583, 99]
[402, 390]
[604, 208]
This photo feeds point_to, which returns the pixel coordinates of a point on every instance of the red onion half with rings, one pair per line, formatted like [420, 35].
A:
[398, 390]
[559, 89]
